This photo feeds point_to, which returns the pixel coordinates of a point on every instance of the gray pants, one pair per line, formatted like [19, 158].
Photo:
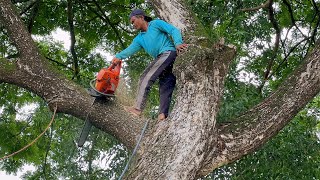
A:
[160, 68]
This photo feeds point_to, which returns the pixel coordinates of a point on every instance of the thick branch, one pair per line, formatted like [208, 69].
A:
[265, 120]
[32, 72]
[72, 99]
[18, 33]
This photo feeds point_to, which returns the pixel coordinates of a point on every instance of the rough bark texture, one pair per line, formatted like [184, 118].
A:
[251, 130]
[177, 13]
[188, 144]
[177, 147]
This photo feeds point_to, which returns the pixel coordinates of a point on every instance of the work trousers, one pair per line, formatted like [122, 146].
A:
[160, 68]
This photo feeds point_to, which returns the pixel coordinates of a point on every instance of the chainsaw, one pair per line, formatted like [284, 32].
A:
[106, 82]
[103, 86]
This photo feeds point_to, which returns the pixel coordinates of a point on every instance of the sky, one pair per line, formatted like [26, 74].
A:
[4, 176]
[64, 38]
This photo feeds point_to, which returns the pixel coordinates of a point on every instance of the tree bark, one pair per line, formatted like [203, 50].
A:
[189, 143]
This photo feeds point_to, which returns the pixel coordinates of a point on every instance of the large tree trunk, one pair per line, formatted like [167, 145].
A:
[189, 143]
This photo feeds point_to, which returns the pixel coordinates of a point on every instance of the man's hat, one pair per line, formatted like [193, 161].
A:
[140, 12]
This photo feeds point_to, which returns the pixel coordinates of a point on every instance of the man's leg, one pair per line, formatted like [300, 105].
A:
[152, 72]
[167, 82]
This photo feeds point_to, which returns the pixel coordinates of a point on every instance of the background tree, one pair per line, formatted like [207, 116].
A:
[272, 40]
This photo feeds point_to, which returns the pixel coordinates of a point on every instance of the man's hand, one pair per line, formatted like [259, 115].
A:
[181, 47]
[115, 61]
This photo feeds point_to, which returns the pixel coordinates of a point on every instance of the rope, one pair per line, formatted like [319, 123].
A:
[134, 150]
[36, 139]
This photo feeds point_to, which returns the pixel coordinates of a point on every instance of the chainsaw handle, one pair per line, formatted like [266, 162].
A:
[113, 65]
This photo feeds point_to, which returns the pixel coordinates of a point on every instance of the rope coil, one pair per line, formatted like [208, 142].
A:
[35, 140]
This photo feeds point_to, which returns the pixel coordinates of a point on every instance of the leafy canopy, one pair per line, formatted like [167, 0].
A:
[261, 65]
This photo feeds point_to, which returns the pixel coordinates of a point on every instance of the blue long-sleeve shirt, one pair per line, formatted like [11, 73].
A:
[155, 40]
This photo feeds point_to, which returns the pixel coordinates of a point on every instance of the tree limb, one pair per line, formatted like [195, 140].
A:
[262, 6]
[275, 48]
[105, 19]
[33, 15]
[28, 8]
[17, 31]
[251, 130]
[75, 61]
[19, 1]
[30, 71]
[59, 63]
[293, 21]
[285, 59]
[314, 32]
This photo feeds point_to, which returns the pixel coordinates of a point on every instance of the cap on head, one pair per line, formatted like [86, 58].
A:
[137, 12]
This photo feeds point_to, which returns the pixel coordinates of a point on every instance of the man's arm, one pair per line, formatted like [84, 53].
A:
[130, 50]
[174, 33]
[171, 30]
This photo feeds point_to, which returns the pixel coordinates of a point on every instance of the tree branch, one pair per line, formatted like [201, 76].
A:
[34, 13]
[20, 36]
[32, 72]
[314, 32]
[19, 1]
[105, 19]
[27, 8]
[75, 61]
[293, 21]
[262, 6]
[287, 55]
[260, 123]
[110, 23]
[276, 46]
[60, 64]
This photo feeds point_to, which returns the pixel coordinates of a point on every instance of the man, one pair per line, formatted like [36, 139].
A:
[154, 38]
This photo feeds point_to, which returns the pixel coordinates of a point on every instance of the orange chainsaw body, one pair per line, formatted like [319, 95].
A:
[107, 79]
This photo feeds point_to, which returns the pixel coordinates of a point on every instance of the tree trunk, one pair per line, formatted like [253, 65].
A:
[177, 147]
[189, 143]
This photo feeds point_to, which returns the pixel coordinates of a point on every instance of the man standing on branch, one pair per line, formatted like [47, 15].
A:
[154, 38]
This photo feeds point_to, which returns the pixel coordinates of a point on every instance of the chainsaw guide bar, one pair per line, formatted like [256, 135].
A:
[102, 87]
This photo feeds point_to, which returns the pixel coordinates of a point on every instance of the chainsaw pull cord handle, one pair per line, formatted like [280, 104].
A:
[112, 66]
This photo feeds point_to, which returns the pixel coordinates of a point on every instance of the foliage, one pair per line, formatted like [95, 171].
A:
[292, 154]
[258, 69]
